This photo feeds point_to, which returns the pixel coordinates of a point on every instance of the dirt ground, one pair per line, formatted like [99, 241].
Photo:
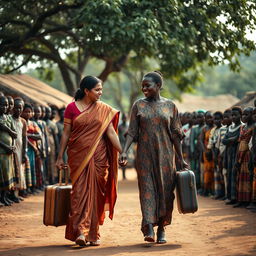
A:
[216, 229]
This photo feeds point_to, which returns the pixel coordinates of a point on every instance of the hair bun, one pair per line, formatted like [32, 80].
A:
[158, 72]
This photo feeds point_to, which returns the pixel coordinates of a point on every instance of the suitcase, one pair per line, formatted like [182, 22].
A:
[57, 203]
[186, 192]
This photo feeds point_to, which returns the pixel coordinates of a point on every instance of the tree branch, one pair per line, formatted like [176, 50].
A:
[22, 64]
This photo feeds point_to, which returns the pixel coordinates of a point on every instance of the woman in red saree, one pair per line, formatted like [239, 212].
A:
[92, 145]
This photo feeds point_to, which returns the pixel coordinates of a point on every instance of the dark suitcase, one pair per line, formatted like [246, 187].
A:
[57, 203]
[186, 192]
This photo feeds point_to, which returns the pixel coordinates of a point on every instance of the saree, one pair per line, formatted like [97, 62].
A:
[93, 171]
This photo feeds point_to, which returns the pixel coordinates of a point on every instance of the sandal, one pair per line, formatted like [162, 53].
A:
[81, 240]
[95, 243]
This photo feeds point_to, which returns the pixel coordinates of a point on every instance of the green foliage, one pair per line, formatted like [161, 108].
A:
[220, 80]
[179, 35]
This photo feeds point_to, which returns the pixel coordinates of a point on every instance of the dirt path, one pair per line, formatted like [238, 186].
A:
[216, 229]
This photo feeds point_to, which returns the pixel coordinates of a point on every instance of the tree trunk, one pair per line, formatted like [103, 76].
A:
[70, 85]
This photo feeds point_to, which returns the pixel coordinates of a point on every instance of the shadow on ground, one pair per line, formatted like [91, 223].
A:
[90, 250]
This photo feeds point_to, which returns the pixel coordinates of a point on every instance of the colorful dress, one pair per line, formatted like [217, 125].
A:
[32, 128]
[218, 177]
[208, 162]
[153, 125]
[93, 169]
[7, 172]
[20, 127]
[243, 158]
[253, 156]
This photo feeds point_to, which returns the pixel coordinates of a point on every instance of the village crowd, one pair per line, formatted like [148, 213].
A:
[219, 147]
[29, 141]
[221, 150]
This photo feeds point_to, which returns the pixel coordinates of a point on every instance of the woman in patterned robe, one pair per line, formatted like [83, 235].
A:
[156, 127]
[243, 158]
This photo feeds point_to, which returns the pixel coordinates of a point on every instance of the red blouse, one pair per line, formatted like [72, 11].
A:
[71, 112]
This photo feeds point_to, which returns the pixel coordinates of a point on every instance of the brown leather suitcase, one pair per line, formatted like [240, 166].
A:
[186, 192]
[57, 203]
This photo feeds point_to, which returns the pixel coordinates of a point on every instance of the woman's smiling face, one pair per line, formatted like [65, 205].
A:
[149, 87]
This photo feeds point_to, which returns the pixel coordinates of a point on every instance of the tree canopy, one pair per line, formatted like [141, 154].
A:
[180, 35]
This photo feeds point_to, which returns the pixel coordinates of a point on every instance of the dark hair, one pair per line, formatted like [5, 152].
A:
[88, 82]
[28, 105]
[237, 108]
[18, 99]
[228, 111]
[61, 109]
[208, 112]
[249, 109]
[218, 113]
[3, 97]
[156, 76]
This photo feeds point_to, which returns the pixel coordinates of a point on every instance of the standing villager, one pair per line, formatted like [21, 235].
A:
[207, 155]
[231, 141]
[20, 144]
[33, 135]
[7, 135]
[196, 149]
[243, 159]
[252, 205]
[155, 126]
[222, 157]
[186, 129]
[53, 146]
[92, 145]
[45, 141]
[41, 151]
[214, 135]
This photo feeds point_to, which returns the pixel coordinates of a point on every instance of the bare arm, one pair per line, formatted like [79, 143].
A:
[177, 146]
[63, 145]
[34, 136]
[111, 133]
[11, 132]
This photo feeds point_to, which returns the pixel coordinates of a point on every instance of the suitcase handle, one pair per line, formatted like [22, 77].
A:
[65, 168]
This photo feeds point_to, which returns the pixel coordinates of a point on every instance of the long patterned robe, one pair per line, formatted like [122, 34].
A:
[153, 125]
[243, 158]
[231, 141]
[93, 164]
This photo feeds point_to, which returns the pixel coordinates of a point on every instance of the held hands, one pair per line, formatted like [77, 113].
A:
[123, 159]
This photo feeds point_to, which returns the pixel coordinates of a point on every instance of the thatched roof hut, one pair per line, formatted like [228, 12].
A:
[192, 102]
[247, 100]
[32, 90]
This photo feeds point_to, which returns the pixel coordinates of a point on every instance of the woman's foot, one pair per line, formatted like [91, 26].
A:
[149, 234]
[95, 243]
[81, 240]
[161, 236]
